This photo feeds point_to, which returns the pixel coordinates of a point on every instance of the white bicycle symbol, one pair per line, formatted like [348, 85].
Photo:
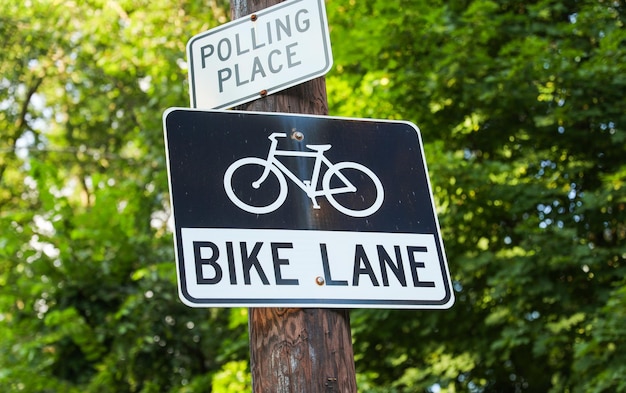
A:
[279, 171]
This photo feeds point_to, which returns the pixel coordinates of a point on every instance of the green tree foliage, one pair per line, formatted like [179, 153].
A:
[88, 299]
[521, 107]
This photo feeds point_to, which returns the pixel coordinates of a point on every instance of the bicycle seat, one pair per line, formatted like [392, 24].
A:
[319, 147]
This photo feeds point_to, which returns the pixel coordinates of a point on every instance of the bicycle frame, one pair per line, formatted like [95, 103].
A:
[308, 186]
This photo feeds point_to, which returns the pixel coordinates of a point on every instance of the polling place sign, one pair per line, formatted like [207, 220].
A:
[286, 210]
[259, 54]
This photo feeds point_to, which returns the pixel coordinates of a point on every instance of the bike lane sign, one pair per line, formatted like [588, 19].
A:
[288, 210]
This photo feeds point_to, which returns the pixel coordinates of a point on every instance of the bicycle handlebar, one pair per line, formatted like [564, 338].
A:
[275, 135]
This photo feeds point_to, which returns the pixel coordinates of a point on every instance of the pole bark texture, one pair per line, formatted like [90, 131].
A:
[291, 349]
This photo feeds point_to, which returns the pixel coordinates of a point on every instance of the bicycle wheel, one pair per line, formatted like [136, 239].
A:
[350, 184]
[264, 198]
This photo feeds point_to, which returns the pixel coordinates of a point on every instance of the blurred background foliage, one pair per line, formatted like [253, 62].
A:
[522, 110]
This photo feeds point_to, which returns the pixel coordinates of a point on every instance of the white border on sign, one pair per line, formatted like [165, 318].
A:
[330, 268]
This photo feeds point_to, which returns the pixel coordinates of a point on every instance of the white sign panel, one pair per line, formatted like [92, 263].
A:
[316, 268]
[260, 54]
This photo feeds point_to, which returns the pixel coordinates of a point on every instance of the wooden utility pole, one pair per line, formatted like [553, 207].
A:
[291, 349]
